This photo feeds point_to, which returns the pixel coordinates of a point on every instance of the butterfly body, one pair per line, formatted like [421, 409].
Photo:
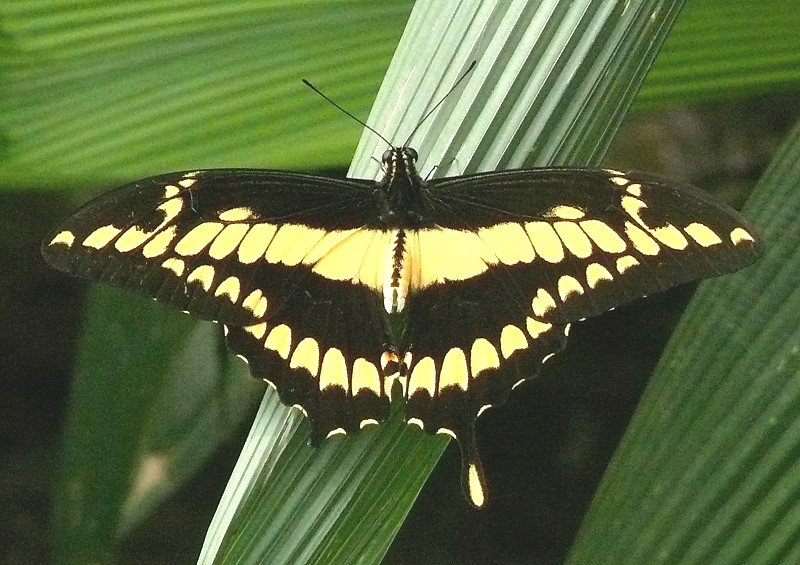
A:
[485, 271]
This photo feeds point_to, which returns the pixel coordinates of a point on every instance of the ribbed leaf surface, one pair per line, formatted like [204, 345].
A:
[551, 80]
[708, 469]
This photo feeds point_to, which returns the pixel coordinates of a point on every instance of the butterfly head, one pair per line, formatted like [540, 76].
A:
[397, 158]
[399, 166]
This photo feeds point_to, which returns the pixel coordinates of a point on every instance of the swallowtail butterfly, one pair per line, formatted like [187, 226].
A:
[482, 274]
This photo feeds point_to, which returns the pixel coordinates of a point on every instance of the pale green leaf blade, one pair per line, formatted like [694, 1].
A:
[556, 76]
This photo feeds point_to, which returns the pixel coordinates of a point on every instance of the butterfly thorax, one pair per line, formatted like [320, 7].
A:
[403, 189]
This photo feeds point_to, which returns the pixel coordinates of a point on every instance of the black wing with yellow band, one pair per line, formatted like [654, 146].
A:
[599, 237]
[241, 247]
[223, 245]
[515, 257]
[487, 270]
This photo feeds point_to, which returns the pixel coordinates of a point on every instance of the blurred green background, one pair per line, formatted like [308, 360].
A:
[92, 95]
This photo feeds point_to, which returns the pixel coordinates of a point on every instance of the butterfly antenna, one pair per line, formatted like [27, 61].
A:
[318, 91]
[441, 101]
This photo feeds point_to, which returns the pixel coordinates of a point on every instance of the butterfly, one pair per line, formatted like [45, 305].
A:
[346, 294]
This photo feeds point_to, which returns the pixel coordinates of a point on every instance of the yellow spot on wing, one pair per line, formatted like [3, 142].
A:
[626, 262]
[306, 355]
[447, 432]
[257, 331]
[670, 236]
[374, 264]
[304, 241]
[236, 214]
[261, 307]
[100, 237]
[365, 377]
[283, 240]
[565, 213]
[171, 209]
[175, 265]
[65, 237]
[423, 377]
[187, 182]
[619, 181]
[509, 242]
[574, 239]
[641, 241]
[170, 191]
[568, 285]
[483, 355]
[326, 244]
[448, 255]
[476, 492]
[367, 422]
[536, 328]
[133, 237]
[387, 358]
[227, 240]
[454, 370]
[336, 432]
[635, 189]
[739, 235]
[542, 302]
[255, 243]
[279, 340]
[702, 234]
[231, 287]
[603, 236]
[252, 300]
[160, 243]
[204, 274]
[198, 238]
[595, 273]
[512, 339]
[334, 370]
[416, 422]
[545, 241]
[343, 261]
[632, 206]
